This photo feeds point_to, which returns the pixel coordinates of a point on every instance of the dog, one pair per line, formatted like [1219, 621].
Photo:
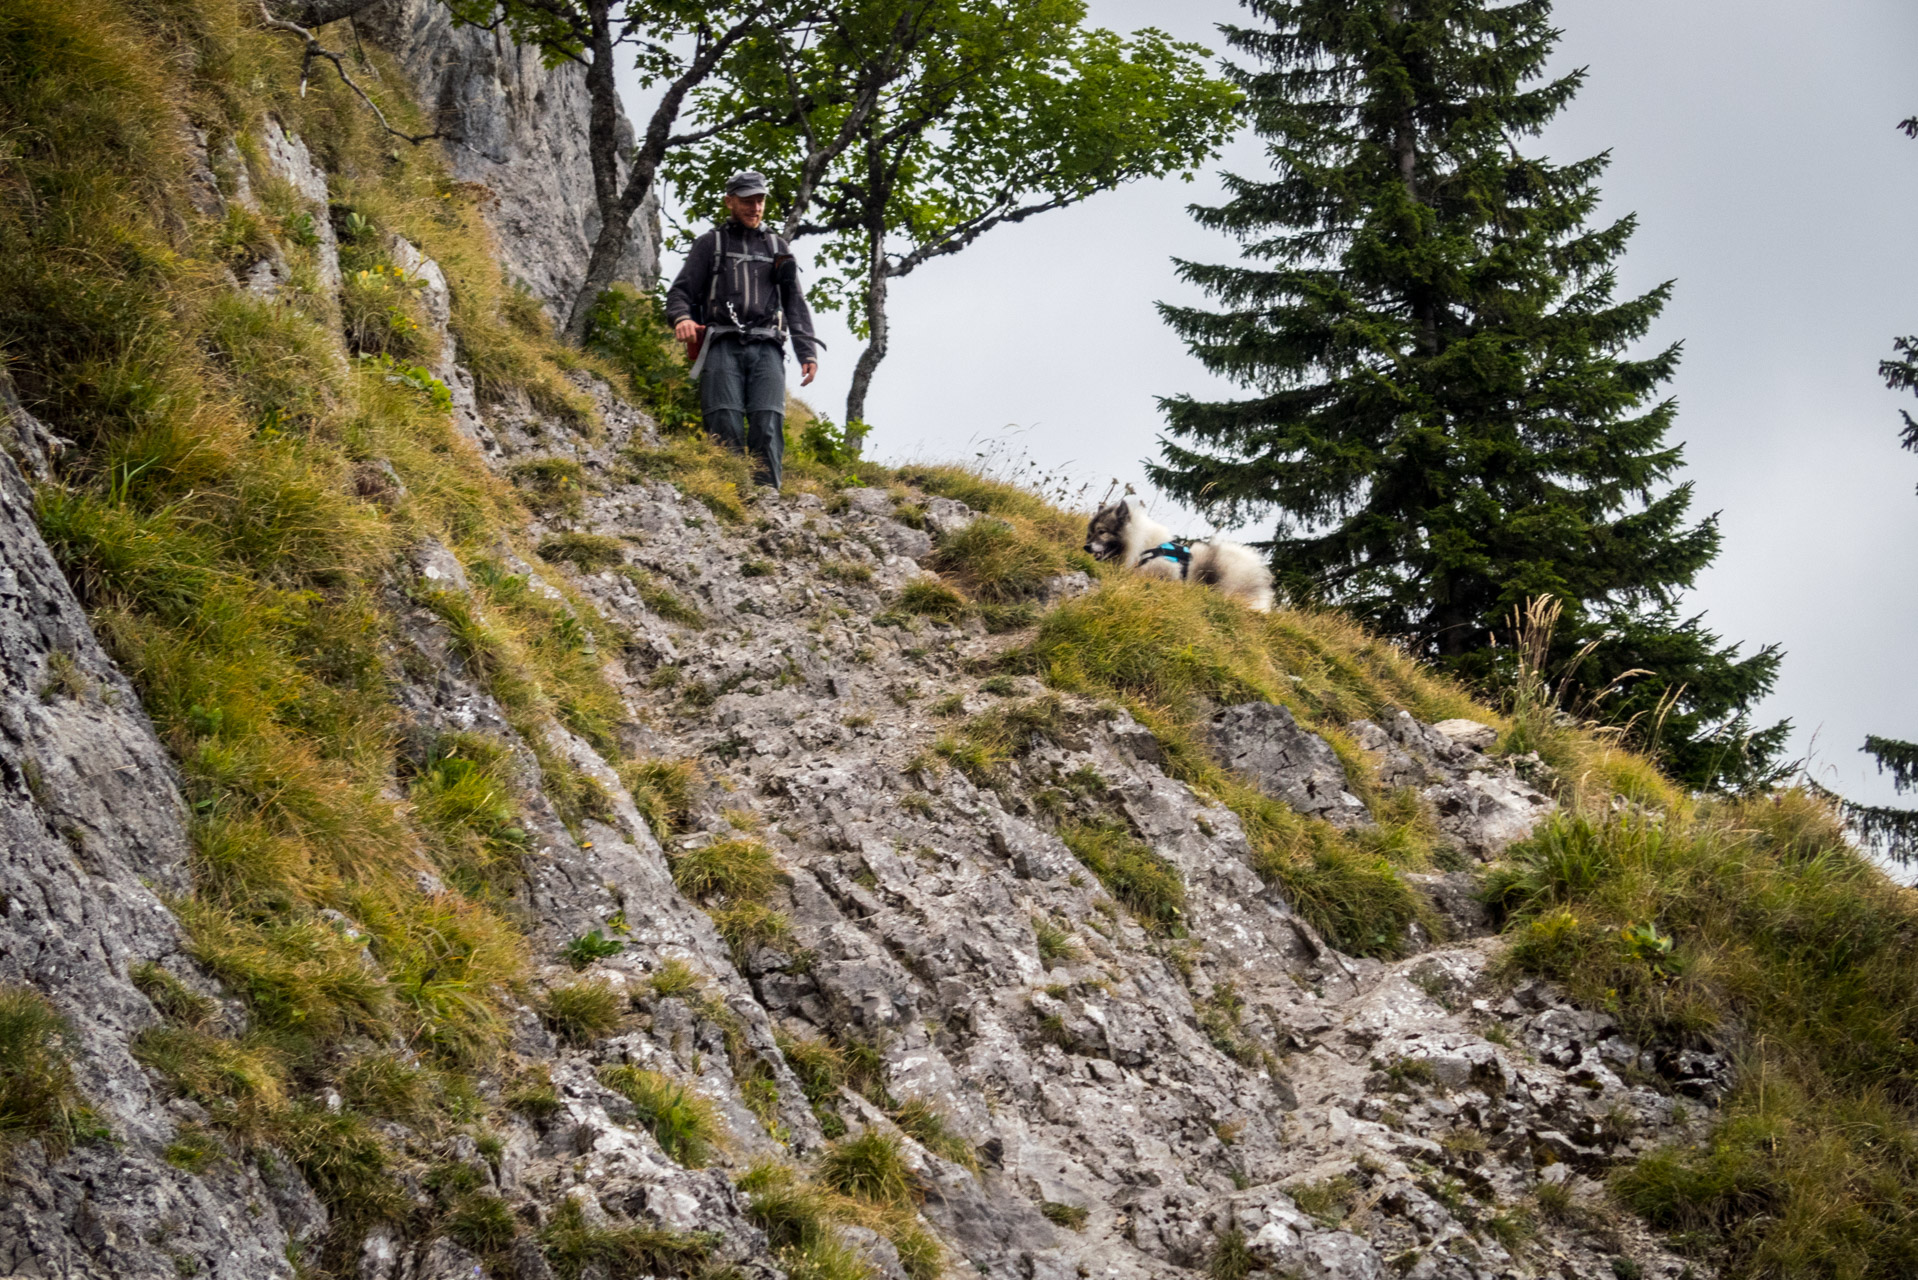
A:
[1123, 531]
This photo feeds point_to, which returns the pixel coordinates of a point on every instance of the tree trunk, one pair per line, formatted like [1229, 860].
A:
[602, 269]
[877, 325]
[602, 147]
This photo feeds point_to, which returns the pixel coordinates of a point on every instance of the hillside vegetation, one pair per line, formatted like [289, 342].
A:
[246, 478]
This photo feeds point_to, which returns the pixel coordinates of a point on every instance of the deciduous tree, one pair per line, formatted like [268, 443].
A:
[910, 128]
[680, 44]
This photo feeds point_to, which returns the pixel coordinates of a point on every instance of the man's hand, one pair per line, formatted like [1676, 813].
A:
[685, 330]
[808, 372]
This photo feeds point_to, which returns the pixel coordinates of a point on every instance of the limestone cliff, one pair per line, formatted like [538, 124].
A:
[520, 131]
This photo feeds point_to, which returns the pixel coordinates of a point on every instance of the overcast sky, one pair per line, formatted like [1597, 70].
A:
[1755, 141]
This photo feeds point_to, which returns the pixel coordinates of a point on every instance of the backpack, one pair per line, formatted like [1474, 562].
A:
[731, 289]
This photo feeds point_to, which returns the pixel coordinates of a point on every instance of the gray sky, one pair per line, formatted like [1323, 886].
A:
[1756, 144]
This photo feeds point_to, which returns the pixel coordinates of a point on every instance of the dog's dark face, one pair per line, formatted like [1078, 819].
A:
[1105, 532]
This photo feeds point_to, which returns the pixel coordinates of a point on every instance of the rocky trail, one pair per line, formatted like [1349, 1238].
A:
[1138, 1102]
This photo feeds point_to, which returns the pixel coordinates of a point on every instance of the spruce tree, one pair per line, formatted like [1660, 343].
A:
[1445, 418]
[1889, 829]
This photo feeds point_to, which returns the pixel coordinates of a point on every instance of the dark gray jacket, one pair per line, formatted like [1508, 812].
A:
[759, 279]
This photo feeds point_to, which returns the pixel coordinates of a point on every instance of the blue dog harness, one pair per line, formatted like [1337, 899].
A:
[1179, 551]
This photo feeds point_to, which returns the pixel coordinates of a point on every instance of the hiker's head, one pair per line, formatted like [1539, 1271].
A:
[746, 197]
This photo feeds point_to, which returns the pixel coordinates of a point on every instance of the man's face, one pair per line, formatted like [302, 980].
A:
[748, 209]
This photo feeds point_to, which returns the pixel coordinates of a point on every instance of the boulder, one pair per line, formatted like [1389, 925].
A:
[1263, 742]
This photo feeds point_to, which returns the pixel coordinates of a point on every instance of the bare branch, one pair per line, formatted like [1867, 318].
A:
[314, 49]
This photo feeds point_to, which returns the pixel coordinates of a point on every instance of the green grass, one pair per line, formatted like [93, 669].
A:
[1071, 1216]
[38, 1097]
[871, 1167]
[662, 790]
[582, 1012]
[1054, 943]
[929, 597]
[1753, 926]
[928, 1125]
[1144, 883]
[741, 870]
[996, 562]
[587, 552]
[661, 599]
[686, 1124]
[675, 979]
[575, 1248]
[483, 1223]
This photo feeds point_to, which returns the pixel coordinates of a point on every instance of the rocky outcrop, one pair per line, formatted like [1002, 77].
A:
[92, 827]
[1480, 806]
[518, 128]
[1262, 741]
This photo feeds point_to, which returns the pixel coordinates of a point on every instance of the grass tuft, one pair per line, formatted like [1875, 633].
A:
[871, 1167]
[38, 1097]
[576, 1249]
[997, 563]
[685, 1124]
[583, 1012]
[1140, 880]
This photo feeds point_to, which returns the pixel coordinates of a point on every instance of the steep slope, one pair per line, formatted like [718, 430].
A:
[455, 826]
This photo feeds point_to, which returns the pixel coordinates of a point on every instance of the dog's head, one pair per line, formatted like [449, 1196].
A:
[1105, 532]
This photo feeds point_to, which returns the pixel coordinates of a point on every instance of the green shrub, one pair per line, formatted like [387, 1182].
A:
[994, 562]
[1140, 880]
[583, 1012]
[629, 328]
[589, 947]
[1072, 1216]
[380, 306]
[685, 1124]
[38, 1098]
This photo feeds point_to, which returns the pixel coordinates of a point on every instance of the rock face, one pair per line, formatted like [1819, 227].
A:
[1262, 741]
[1480, 807]
[519, 129]
[92, 829]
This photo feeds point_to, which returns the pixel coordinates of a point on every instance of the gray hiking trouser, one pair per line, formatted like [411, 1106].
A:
[742, 395]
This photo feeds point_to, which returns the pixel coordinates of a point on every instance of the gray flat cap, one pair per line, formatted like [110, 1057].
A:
[748, 182]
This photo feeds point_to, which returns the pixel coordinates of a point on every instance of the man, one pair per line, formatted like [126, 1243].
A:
[740, 285]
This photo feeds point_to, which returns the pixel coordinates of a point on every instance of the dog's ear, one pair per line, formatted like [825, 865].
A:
[1125, 513]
